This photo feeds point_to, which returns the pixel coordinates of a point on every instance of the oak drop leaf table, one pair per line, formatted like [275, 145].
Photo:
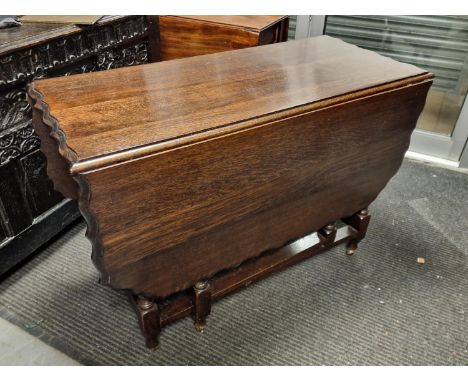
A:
[201, 175]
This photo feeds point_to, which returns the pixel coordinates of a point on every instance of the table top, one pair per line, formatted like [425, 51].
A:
[130, 112]
[258, 22]
[31, 33]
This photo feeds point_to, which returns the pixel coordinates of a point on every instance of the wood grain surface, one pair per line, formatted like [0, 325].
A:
[30, 34]
[187, 213]
[190, 167]
[114, 111]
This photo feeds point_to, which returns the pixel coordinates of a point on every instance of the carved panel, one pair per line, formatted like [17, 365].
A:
[17, 142]
[17, 136]
[119, 57]
[15, 110]
[37, 61]
[31, 212]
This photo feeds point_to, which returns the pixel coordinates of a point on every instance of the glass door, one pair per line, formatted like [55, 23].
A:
[438, 44]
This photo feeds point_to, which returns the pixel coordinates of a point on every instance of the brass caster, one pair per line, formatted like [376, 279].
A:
[200, 328]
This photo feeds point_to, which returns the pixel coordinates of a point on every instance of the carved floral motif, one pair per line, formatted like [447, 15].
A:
[116, 58]
[37, 61]
[98, 46]
[15, 110]
[16, 143]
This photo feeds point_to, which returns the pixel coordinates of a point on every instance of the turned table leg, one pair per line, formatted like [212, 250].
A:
[328, 234]
[201, 304]
[359, 221]
[149, 319]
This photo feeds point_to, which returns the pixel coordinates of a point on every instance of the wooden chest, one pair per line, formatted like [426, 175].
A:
[198, 176]
[187, 36]
[31, 212]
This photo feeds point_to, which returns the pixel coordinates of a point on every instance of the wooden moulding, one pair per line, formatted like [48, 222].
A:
[255, 269]
[153, 315]
[61, 157]
[270, 262]
[214, 192]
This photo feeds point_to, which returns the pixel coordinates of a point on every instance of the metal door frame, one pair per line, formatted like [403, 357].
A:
[443, 146]
[309, 26]
[452, 148]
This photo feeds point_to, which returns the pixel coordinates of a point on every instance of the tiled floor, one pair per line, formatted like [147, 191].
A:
[18, 347]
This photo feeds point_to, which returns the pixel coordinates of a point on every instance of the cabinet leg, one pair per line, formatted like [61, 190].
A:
[149, 319]
[351, 247]
[359, 221]
[328, 234]
[201, 304]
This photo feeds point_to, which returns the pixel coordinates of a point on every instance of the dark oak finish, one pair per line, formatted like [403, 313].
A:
[187, 36]
[359, 222]
[227, 282]
[232, 155]
[149, 319]
[201, 304]
[40, 50]
[31, 34]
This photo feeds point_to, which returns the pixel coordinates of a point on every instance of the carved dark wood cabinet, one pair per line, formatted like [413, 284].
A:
[31, 211]
[201, 175]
